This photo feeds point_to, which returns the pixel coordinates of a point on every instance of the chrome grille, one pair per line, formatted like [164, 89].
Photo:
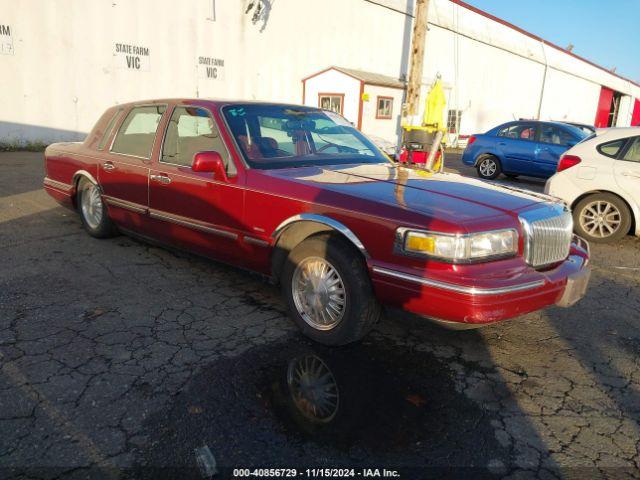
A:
[547, 234]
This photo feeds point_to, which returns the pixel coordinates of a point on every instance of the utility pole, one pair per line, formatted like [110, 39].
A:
[418, 41]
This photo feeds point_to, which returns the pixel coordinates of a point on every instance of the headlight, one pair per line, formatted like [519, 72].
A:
[458, 248]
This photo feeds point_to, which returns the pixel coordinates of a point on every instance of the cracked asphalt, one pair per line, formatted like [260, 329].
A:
[118, 359]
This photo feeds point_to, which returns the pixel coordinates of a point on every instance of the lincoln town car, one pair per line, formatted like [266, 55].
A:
[300, 196]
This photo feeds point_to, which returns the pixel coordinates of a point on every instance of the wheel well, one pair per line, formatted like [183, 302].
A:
[295, 234]
[594, 192]
[77, 178]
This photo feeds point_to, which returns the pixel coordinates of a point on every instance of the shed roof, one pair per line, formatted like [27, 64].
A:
[369, 78]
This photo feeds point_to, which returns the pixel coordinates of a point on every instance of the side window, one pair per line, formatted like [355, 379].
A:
[633, 152]
[109, 130]
[191, 130]
[555, 135]
[138, 131]
[611, 149]
[519, 132]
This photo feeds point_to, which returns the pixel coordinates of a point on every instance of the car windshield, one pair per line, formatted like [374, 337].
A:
[281, 136]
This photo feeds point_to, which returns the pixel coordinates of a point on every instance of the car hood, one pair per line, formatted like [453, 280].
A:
[445, 195]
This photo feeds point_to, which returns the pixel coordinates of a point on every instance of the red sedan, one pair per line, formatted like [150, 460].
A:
[298, 194]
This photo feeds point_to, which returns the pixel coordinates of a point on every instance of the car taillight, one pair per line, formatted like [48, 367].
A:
[472, 139]
[568, 161]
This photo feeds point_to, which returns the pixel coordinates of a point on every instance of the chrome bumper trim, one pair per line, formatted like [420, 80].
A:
[458, 288]
[185, 222]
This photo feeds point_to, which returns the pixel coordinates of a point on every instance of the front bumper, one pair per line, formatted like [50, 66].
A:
[472, 305]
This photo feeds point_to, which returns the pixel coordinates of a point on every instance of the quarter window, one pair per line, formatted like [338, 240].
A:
[611, 149]
[191, 130]
[385, 108]
[519, 132]
[138, 131]
[331, 101]
[108, 130]
[633, 152]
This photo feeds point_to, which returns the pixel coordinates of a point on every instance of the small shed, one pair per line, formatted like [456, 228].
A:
[371, 101]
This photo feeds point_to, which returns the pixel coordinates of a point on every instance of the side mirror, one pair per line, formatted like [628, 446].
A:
[210, 162]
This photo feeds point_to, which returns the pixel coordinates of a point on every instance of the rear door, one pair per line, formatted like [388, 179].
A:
[517, 144]
[627, 169]
[189, 208]
[553, 141]
[124, 170]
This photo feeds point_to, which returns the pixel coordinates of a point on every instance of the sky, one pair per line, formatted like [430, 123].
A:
[607, 32]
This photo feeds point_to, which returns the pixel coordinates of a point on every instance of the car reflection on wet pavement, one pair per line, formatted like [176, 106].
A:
[298, 404]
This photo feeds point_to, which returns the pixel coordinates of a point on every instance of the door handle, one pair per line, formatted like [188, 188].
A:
[108, 166]
[160, 178]
[631, 174]
[501, 144]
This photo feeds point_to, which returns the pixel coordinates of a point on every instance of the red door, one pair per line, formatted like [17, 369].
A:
[189, 208]
[635, 117]
[604, 108]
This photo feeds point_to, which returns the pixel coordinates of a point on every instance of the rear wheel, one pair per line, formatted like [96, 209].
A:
[601, 218]
[488, 167]
[93, 211]
[328, 291]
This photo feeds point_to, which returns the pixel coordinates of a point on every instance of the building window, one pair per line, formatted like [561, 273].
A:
[384, 109]
[453, 121]
[331, 101]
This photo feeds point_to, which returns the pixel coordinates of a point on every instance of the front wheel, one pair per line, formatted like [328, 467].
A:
[488, 167]
[328, 291]
[93, 211]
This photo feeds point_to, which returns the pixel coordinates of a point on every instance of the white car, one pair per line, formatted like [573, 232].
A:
[599, 179]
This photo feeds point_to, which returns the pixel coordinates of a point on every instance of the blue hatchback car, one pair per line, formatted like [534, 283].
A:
[531, 148]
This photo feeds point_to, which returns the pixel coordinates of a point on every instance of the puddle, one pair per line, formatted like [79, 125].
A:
[297, 404]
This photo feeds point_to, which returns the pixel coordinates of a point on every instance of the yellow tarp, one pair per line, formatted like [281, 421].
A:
[434, 107]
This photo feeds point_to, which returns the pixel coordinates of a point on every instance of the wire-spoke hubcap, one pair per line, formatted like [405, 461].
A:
[91, 205]
[318, 293]
[487, 167]
[600, 219]
[313, 388]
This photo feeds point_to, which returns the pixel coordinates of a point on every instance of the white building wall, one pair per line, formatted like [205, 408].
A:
[333, 81]
[387, 129]
[63, 70]
[64, 73]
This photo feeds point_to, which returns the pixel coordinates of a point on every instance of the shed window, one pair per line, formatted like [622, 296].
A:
[385, 107]
[331, 101]
[453, 121]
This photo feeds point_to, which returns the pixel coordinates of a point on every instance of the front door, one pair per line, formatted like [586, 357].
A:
[627, 170]
[188, 208]
[124, 171]
[517, 146]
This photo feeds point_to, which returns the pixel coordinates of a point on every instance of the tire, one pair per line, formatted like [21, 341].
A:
[596, 215]
[93, 211]
[346, 277]
[488, 167]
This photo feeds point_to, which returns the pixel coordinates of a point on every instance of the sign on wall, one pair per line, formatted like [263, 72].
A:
[211, 68]
[132, 57]
[6, 40]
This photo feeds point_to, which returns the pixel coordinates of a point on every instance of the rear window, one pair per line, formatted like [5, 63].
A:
[138, 131]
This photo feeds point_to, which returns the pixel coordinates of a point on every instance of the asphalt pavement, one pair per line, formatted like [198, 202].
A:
[121, 359]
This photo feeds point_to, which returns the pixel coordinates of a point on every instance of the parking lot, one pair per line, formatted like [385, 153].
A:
[118, 358]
